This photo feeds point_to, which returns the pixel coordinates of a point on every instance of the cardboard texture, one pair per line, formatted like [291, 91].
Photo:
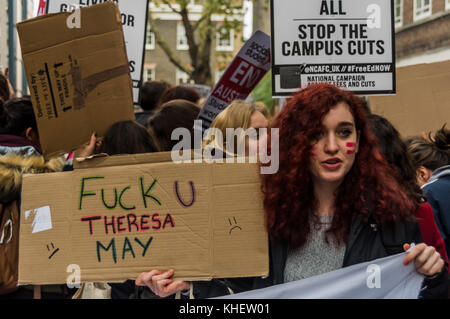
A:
[79, 78]
[202, 220]
[422, 102]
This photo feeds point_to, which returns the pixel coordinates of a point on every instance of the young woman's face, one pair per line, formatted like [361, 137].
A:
[334, 148]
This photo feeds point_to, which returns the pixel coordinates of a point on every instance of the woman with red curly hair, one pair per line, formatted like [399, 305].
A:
[334, 201]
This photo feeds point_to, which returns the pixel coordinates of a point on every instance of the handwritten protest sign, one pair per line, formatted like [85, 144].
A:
[242, 75]
[79, 78]
[144, 212]
[133, 15]
[347, 43]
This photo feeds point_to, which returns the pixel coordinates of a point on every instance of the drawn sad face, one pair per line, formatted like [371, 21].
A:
[234, 226]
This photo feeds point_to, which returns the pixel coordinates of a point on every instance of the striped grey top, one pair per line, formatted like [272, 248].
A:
[315, 257]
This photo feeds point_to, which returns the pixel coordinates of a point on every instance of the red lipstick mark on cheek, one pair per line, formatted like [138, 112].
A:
[351, 148]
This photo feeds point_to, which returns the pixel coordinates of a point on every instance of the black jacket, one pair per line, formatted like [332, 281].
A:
[366, 242]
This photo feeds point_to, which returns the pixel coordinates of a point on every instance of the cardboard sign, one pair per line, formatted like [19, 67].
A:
[79, 77]
[245, 71]
[344, 42]
[422, 102]
[144, 212]
[134, 16]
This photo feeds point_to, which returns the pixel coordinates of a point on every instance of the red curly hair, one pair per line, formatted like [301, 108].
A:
[289, 199]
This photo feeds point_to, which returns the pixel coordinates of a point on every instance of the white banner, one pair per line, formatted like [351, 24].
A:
[134, 22]
[349, 43]
[385, 278]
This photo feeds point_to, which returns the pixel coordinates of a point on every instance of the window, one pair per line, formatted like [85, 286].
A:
[181, 77]
[422, 9]
[182, 43]
[398, 13]
[224, 40]
[149, 73]
[447, 4]
[150, 40]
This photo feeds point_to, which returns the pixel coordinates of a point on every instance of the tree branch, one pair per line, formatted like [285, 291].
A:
[193, 47]
[202, 18]
[166, 48]
[166, 2]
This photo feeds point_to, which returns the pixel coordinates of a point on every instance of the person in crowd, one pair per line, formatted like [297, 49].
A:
[179, 92]
[396, 153]
[239, 114]
[150, 93]
[127, 137]
[6, 89]
[432, 159]
[263, 109]
[334, 202]
[172, 115]
[20, 153]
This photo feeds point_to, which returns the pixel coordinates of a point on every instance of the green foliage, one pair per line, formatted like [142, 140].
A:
[263, 91]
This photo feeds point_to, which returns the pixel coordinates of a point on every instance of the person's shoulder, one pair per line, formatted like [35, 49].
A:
[424, 211]
[441, 184]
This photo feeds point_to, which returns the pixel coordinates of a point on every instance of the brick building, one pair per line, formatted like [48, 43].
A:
[157, 65]
[422, 31]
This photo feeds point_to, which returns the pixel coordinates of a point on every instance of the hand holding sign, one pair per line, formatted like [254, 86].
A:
[426, 259]
[161, 284]
[91, 148]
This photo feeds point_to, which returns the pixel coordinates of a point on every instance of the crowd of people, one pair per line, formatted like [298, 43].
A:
[348, 190]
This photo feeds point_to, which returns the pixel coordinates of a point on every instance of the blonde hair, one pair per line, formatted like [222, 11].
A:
[263, 109]
[236, 115]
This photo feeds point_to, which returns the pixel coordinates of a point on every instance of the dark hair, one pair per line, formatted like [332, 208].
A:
[127, 137]
[433, 152]
[368, 189]
[179, 92]
[16, 116]
[4, 88]
[396, 153]
[150, 93]
[172, 115]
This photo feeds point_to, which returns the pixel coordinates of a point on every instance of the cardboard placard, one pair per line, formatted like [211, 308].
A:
[79, 78]
[422, 102]
[144, 212]
[344, 42]
[134, 16]
[242, 75]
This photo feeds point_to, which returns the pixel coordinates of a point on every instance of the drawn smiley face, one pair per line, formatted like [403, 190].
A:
[236, 226]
